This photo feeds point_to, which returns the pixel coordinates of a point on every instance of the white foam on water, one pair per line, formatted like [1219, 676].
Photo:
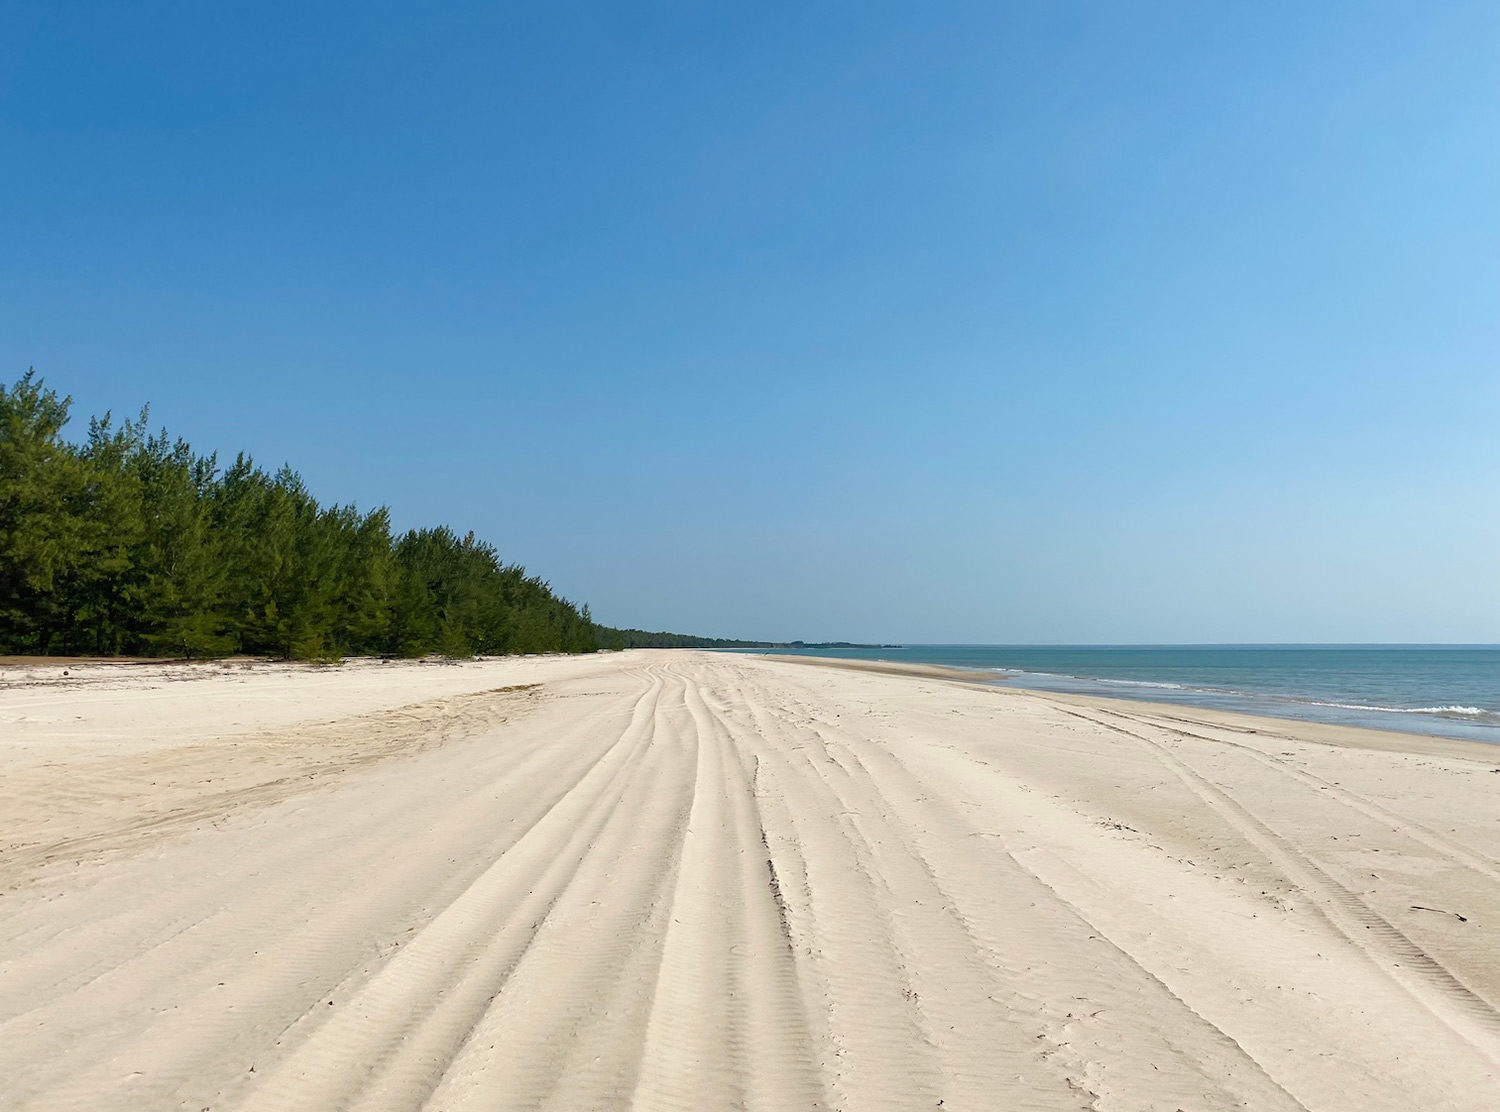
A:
[1469, 712]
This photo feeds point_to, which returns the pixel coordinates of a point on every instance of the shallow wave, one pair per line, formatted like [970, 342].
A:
[1467, 712]
[1258, 701]
[1098, 679]
[1149, 683]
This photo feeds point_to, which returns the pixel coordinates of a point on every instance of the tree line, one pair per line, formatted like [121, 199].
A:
[132, 543]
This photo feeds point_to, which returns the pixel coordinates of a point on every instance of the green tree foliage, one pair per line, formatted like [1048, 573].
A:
[44, 523]
[131, 543]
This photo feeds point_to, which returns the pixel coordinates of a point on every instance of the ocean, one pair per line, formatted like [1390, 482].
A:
[1441, 690]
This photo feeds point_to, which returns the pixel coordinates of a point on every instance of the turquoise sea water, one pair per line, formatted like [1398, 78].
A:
[1443, 690]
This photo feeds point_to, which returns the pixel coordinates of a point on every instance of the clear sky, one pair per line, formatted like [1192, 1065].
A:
[1016, 322]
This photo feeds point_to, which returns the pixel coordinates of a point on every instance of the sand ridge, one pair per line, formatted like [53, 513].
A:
[673, 880]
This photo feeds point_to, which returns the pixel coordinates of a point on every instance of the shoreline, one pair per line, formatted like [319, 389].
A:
[887, 667]
[1328, 733]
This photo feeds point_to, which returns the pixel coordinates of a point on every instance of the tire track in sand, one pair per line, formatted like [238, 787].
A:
[1423, 977]
[305, 931]
[1066, 1046]
[389, 1046]
[891, 908]
[568, 1029]
[1488, 867]
[726, 1028]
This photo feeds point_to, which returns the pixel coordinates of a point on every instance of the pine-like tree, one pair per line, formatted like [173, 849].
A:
[130, 542]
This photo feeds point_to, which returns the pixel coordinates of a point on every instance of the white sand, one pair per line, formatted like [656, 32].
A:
[690, 881]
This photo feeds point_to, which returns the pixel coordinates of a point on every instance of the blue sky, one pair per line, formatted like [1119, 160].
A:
[946, 322]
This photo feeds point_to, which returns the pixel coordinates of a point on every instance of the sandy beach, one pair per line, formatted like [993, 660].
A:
[683, 880]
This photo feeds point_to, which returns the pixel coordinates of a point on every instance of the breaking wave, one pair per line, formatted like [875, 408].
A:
[1466, 712]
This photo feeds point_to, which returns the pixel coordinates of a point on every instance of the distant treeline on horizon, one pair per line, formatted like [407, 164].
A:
[132, 543]
[641, 639]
